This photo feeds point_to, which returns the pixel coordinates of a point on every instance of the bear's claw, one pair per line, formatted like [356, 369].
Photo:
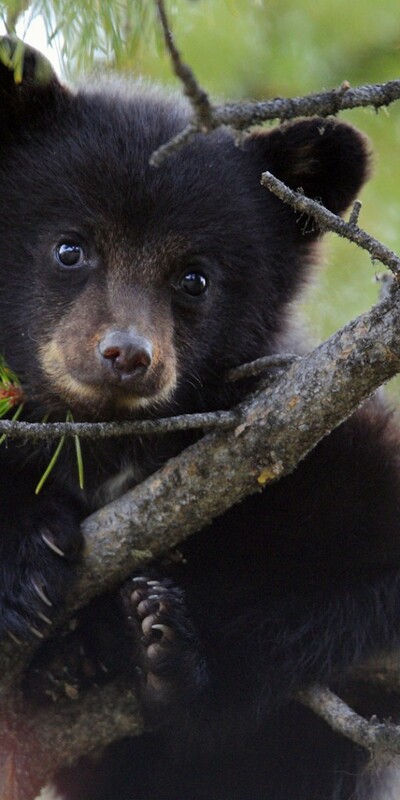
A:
[168, 652]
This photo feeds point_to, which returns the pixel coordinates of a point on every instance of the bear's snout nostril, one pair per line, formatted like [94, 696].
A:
[126, 352]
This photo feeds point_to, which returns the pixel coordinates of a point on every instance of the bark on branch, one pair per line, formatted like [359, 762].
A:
[382, 739]
[242, 116]
[327, 221]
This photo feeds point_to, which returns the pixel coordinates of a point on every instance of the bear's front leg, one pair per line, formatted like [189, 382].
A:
[39, 547]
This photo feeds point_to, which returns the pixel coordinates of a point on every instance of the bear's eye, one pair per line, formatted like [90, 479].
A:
[70, 254]
[194, 284]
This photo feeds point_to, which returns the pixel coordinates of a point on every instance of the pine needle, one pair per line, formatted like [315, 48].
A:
[11, 395]
[78, 450]
[13, 418]
[10, 388]
[51, 464]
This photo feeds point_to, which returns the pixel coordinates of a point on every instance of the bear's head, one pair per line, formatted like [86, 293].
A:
[127, 288]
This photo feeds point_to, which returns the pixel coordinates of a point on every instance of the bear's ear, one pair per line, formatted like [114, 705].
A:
[326, 159]
[28, 84]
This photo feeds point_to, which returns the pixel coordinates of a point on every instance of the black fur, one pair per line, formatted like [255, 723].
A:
[296, 585]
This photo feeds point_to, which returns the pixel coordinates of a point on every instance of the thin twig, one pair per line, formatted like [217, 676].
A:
[323, 104]
[40, 431]
[184, 137]
[326, 220]
[355, 212]
[192, 89]
[242, 116]
[280, 361]
[379, 738]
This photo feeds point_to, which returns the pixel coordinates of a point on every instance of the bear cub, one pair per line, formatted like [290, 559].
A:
[126, 292]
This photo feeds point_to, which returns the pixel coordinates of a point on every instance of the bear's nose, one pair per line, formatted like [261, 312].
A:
[126, 352]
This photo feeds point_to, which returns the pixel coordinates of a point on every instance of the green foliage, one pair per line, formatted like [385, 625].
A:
[87, 32]
[10, 389]
[56, 455]
[11, 396]
[50, 465]
[13, 58]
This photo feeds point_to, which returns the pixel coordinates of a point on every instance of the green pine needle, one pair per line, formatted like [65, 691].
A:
[51, 465]
[78, 451]
[13, 418]
[10, 387]
[11, 395]
[54, 459]
[79, 463]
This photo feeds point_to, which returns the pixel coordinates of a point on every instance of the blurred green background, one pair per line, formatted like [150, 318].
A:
[261, 49]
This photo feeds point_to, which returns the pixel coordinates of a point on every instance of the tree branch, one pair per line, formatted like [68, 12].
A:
[197, 96]
[382, 739]
[35, 742]
[327, 221]
[44, 431]
[242, 115]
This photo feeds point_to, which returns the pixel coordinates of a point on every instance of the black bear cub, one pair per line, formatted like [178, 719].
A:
[128, 291]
